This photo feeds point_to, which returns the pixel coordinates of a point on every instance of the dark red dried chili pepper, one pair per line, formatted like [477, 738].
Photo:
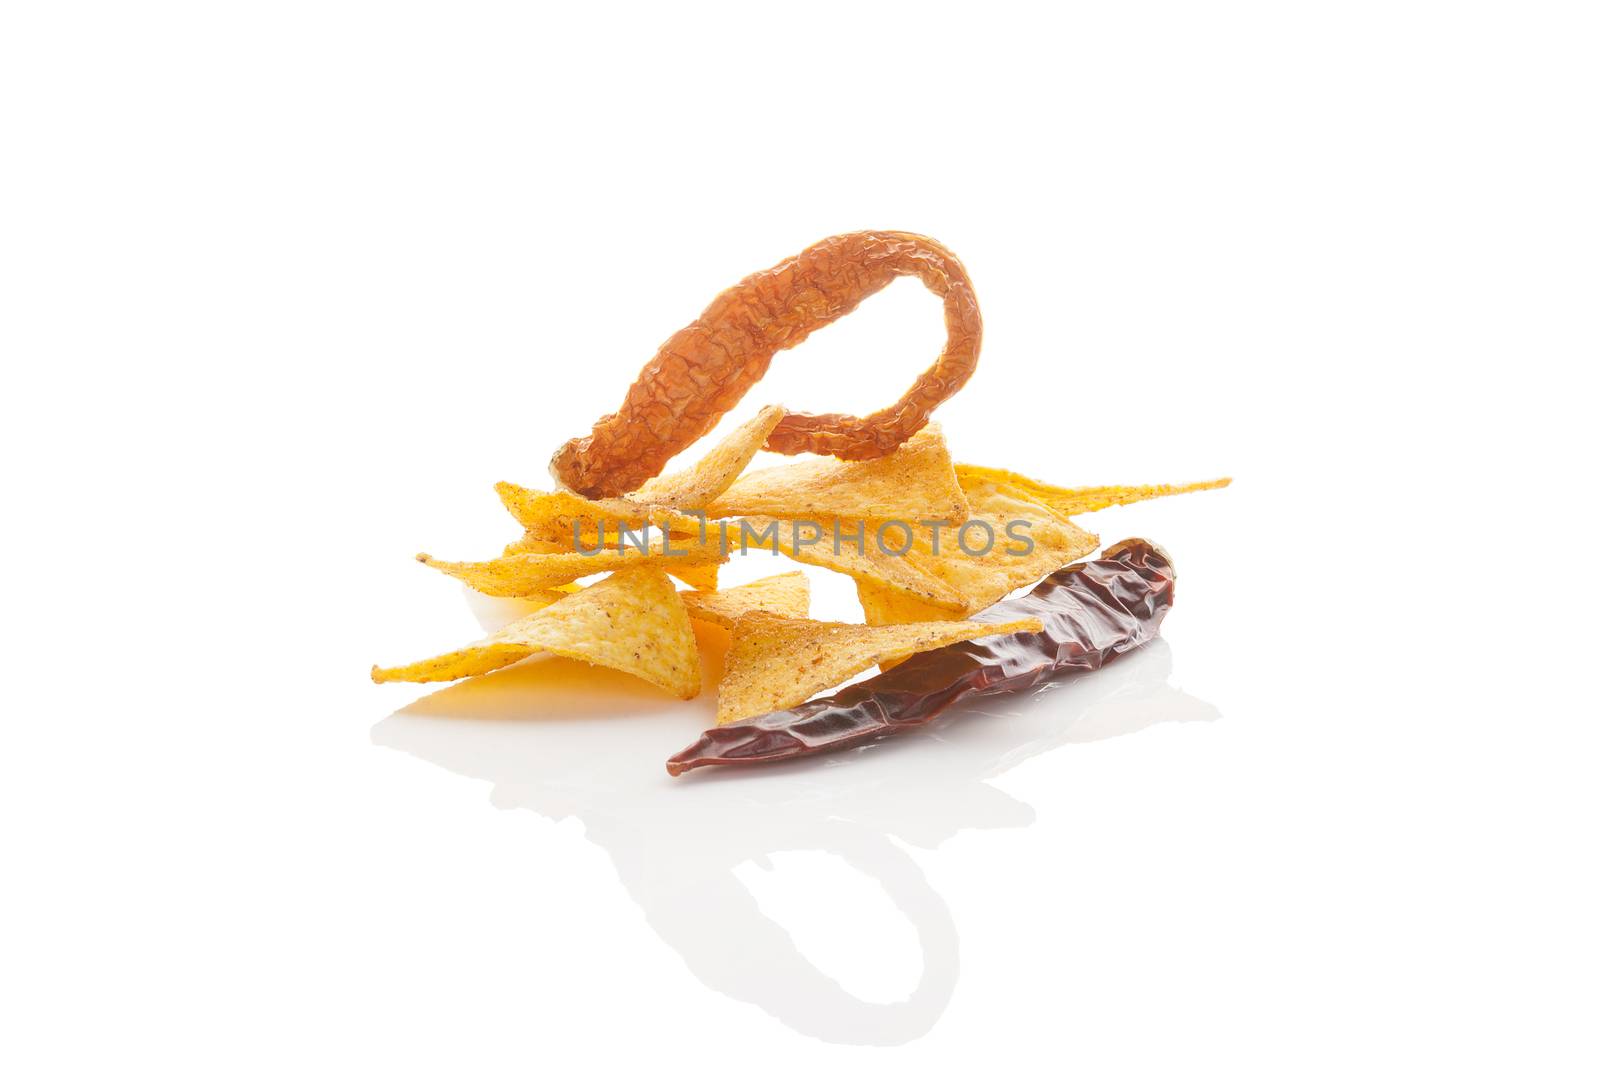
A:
[1092, 612]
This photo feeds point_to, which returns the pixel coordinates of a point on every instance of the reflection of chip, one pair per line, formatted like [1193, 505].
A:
[1067, 502]
[782, 594]
[776, 663]
[528, 573]
[915, 481]
[696, 486]
[866, 561]
[632, 621]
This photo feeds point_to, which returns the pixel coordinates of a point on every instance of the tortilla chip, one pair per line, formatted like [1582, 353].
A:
[695, 487]
[870, 562]
[1067, 502]
[782, 594]
[632, 621]
[883, 606]
[775, 662]
[545, 597]
[530, 543]
[916, 481]
[702, 576]
[555, 516]
[699, 575]
[530, 573]
[1018, 554]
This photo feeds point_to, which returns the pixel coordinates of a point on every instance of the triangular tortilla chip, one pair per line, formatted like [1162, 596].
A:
[554, 516]
[702, 576]
[1017, 541]
[632, 621]
[775, 662]
[782, 594]
[1067, 502]
[561, 515]
[883, 606]
[693, 488]
[699, 575]
[867, 561]
[545, 597]
[915, 481]
[529, 573]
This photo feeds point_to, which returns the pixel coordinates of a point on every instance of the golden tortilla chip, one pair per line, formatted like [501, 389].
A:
[868, 561]
[1010, 541]
[632, 621]
[916, 481]
[702, 576]
[530, 573]
[986, 578]
[554, 517]
[883, 606]
[699, 575]
[545, 597]
[782, 594]
[695, 487]
[1067, 502]
[560, 515]
[775, 663]
[530, 543]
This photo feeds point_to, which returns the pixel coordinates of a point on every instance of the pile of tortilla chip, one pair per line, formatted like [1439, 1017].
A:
[898, 526]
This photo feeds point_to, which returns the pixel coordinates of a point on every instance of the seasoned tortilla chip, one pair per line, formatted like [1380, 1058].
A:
[782, 594]
[983, 580]
[775, 662]
[1012, 541]
[916, 481]
[1029, 542]
[1067, 502]
[696, 486]
[883, 606]
[699, 575]
[702, 576]
[554, 516]
[632, 621]
[545, 597]
[866, 561]
[529, 573]
[530, 543]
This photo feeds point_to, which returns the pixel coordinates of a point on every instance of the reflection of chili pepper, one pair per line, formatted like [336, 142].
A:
[703, 369]
[1092, 612]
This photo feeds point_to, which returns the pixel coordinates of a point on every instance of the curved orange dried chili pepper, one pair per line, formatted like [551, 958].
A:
[702, 370]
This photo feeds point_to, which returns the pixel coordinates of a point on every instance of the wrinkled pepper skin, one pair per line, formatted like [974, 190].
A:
[701, 371]
[1092, 612]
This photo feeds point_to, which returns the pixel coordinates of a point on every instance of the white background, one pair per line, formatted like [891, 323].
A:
[285, 288]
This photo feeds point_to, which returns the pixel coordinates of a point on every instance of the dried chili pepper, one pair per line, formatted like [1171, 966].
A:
[702, 370]
[1092, 612]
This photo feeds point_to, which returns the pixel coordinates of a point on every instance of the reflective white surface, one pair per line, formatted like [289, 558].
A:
[677, 845]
